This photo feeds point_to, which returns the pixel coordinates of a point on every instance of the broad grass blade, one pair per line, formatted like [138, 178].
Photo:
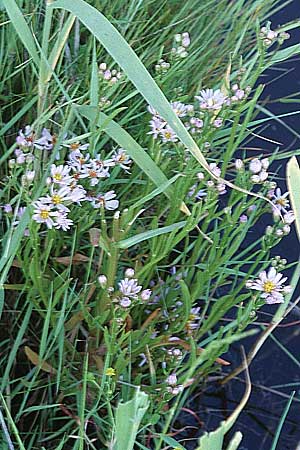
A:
[22, 29]
[128, 418]
[293, 182]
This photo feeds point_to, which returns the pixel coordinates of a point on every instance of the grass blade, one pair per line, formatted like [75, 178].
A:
[293, 182]
[22, 29]
[128, 417]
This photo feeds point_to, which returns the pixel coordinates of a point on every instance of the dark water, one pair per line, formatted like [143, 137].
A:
[275, 372]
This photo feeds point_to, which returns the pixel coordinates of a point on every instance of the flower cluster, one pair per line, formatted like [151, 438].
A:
[173, 388]
[162, 66]
[269, 37]
[112, 76]
[161, 129]
[74, 182]
[271, 286]
[27, 141]
[259, 169]
[181, 42]
[198, 192]
[129, 291]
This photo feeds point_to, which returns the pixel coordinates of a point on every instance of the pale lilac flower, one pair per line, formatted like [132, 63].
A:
[211, 100]
[185, 39]
[29, 175]
[129, 287]
[25, 139]
[7, 208]
[94, 172]
[129, 273]
[121, 159]
[243, 218]
[77, 159]
[46, 141]
[60, 174]
[168, 135]
[156, 125]
[221, 188]
[281, 201]
[218, 123]
[102, 279]
[146, 294]
[289, 217]
[75, 146]
[180, 109]
[21, 157]
[106, 201]
[215, 169]
[260, 177]
[194, 318]
[239, 164]
[125, 302]
[43, 213]
[175, 390]
[172, 380]
[62, 222]
[255, 165]
[270, 285]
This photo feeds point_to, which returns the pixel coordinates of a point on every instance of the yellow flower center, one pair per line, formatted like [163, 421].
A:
[281, 202]
[168, 134]
[74, 145]
[57, 177]
[269, 286]
[44, 214]
[56, 199]
[93, 174]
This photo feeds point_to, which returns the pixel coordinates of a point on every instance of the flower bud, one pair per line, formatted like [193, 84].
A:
[239, 164]
[30, 175]
[172, 380]
[125, 302]
[146, 294]
[102, 279]
[129, 273]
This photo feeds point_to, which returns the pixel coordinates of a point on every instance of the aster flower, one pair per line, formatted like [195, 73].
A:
[215, 169]
[46, 141]
[172, 380]
[168, 135]
[77, 146]
[156, 125]
[121, 159]
[270, 284]
[281, 200]
[106, 201]
[60, 174]
[129, 287]
[211, 100]
[125, 302]
[94, 172]
[289, 217]
[44, 213]
[25, 139]
[194, 319]
[180, 109]
[62, 222]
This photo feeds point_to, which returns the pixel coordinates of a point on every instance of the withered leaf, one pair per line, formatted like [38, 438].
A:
[67, 260]
[35, 359]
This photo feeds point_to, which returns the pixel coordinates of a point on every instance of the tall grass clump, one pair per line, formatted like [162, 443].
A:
[127, 197]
